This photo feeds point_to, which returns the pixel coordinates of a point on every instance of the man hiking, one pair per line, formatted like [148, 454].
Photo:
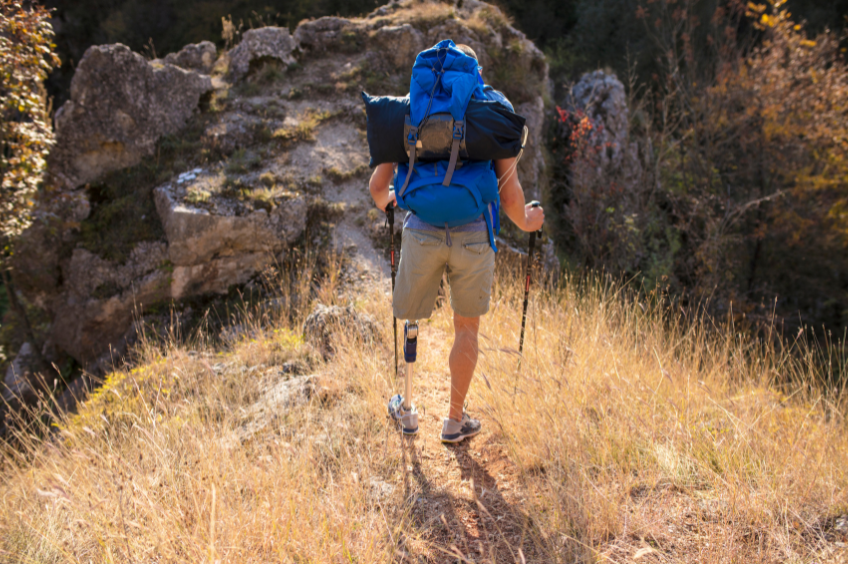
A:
[466, 251]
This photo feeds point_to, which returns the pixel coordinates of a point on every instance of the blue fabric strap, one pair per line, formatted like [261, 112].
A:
[487, 215]
[412, 140]
[458, 134]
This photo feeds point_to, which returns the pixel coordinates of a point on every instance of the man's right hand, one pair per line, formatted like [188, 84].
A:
[534, 217]
[391, 200]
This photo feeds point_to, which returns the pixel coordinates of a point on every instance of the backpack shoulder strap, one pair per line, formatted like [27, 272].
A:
[412, 141]
[458, 134]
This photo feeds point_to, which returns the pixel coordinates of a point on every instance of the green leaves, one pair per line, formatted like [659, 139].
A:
[26, 56]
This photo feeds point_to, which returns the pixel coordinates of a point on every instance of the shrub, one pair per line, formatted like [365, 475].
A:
[26, 56]
[743, 169]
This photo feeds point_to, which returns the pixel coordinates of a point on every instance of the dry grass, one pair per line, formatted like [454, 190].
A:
[425, 15]
[488, 19]
[632, 436]
[642, 434]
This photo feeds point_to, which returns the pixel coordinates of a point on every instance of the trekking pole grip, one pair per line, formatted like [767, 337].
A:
[536, 204]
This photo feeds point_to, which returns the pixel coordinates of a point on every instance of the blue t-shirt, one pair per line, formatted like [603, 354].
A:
[412, 222]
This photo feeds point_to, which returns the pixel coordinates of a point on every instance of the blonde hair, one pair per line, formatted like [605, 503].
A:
[468, 51]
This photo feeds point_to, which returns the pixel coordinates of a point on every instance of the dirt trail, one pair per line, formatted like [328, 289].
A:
[462, 499]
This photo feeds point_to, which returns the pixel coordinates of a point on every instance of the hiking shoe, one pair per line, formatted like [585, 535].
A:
[455, 431]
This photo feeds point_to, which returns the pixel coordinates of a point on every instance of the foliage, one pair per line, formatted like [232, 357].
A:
[583, 35]
[26, 56]
[739, 188]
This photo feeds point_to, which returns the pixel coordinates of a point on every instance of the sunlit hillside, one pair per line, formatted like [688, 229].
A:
[627, 434]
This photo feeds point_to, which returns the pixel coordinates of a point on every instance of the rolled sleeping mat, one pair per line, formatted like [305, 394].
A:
[492, 132]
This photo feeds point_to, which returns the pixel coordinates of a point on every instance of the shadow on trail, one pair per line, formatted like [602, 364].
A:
[476, 522]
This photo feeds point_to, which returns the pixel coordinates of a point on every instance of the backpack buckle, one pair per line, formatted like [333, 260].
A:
[412, 138]
[458, 130]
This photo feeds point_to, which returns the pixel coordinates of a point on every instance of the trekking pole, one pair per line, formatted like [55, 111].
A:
[390, 218]
[534, 204]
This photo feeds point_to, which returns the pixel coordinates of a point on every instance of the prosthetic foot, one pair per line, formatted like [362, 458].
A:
[401, 408]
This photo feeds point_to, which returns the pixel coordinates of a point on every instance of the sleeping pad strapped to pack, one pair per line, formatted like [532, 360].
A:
[491, 132]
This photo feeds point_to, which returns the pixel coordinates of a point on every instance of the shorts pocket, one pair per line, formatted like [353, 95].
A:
[425, 240]
[477, 248]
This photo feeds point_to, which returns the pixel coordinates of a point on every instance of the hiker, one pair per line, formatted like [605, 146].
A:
[466, 251]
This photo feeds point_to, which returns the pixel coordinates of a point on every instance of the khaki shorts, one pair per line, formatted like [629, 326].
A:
[424, 256]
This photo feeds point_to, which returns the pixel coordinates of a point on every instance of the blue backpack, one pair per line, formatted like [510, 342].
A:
[449, 193]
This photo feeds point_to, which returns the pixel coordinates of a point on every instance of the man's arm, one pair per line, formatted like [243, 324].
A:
[381, 179]
[525, 217]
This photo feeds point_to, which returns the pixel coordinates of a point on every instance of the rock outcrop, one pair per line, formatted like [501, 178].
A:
[120, 106]
[601, 97]
[196, 235]
[271, 151]
[214, 247]
[198, 57]
[17, 384]
[326, 34]
[265, 42]
[399, 44]
[99, 298]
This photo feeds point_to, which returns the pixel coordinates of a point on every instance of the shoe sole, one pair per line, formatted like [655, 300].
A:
[460, 438]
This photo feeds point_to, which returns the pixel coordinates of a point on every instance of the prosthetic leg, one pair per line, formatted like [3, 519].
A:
[401, 408]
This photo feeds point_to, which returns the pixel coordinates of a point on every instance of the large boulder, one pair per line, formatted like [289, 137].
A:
[399, 44]
[99, 298]
[120, 105]
[216, 244]
[196, 234]
[198, 57]
[601, 97]
[39, 250]
[218, 275]
[90, 275]
[265, 42]
[327, 34]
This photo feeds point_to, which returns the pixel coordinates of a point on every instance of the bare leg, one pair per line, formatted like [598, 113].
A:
[463, 360]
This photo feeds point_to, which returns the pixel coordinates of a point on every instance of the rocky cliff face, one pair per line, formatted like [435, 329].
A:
[120, 105]
[185, 176]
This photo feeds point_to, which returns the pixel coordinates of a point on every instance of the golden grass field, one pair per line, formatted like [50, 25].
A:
[628, 435]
